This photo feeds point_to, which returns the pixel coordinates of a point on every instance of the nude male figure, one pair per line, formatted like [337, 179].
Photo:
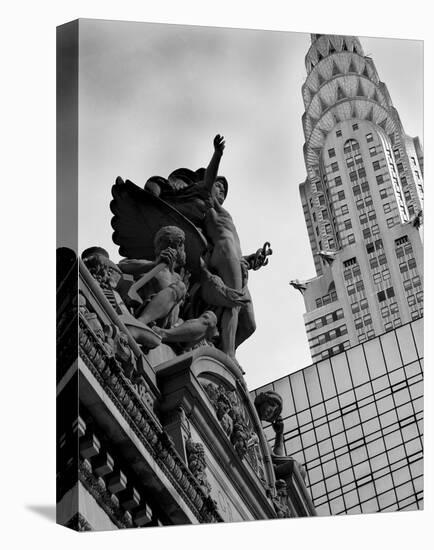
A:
[202, 204]
[226, 257]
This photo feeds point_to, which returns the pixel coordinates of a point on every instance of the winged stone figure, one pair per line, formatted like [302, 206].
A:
[193, 201]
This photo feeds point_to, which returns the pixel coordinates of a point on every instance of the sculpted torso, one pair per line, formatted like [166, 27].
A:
[220, 229]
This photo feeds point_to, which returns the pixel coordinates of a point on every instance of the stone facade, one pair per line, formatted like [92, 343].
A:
[177, 443]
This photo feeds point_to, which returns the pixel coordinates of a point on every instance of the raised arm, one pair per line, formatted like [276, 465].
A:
[136, 267]
[213, 167]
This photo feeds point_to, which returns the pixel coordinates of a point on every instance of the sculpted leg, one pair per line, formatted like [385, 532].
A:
[229, 323]
[163, 303]
[228, 267]
[246, 324]
[191, 331]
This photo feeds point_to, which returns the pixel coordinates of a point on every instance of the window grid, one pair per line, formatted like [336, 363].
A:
[328, 425]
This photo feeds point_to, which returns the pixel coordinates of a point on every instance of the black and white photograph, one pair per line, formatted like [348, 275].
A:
[239, 275]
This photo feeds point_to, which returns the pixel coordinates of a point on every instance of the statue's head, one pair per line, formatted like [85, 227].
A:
[268, 405]
[171, 236]
[94, 252]
[98, 262]
[220, 189]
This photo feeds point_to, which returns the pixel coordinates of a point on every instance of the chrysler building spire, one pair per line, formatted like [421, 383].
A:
[364, 185]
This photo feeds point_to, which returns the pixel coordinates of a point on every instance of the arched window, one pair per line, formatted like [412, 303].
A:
[351, 145]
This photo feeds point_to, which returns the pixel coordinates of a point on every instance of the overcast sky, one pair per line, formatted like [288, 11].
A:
[153, 96]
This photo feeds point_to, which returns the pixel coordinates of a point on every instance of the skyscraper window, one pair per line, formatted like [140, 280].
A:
[350, 262]
[357, 190]
[390, 292]
[381, 296]
[411, 263]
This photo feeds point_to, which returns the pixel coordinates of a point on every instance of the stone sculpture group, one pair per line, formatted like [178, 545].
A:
[183, 278]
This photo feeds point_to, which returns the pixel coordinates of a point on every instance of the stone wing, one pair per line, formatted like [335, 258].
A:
[138, 215]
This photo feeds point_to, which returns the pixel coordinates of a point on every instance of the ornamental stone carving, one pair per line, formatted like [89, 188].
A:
[280, 501]
[197, 464]
[229, 413]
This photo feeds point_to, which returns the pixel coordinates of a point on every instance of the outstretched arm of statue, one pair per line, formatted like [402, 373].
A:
[248, 260]
[213, 167]
[191, 331]
[259, 258]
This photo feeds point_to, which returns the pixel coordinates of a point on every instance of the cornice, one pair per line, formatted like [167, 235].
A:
[119, 390]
